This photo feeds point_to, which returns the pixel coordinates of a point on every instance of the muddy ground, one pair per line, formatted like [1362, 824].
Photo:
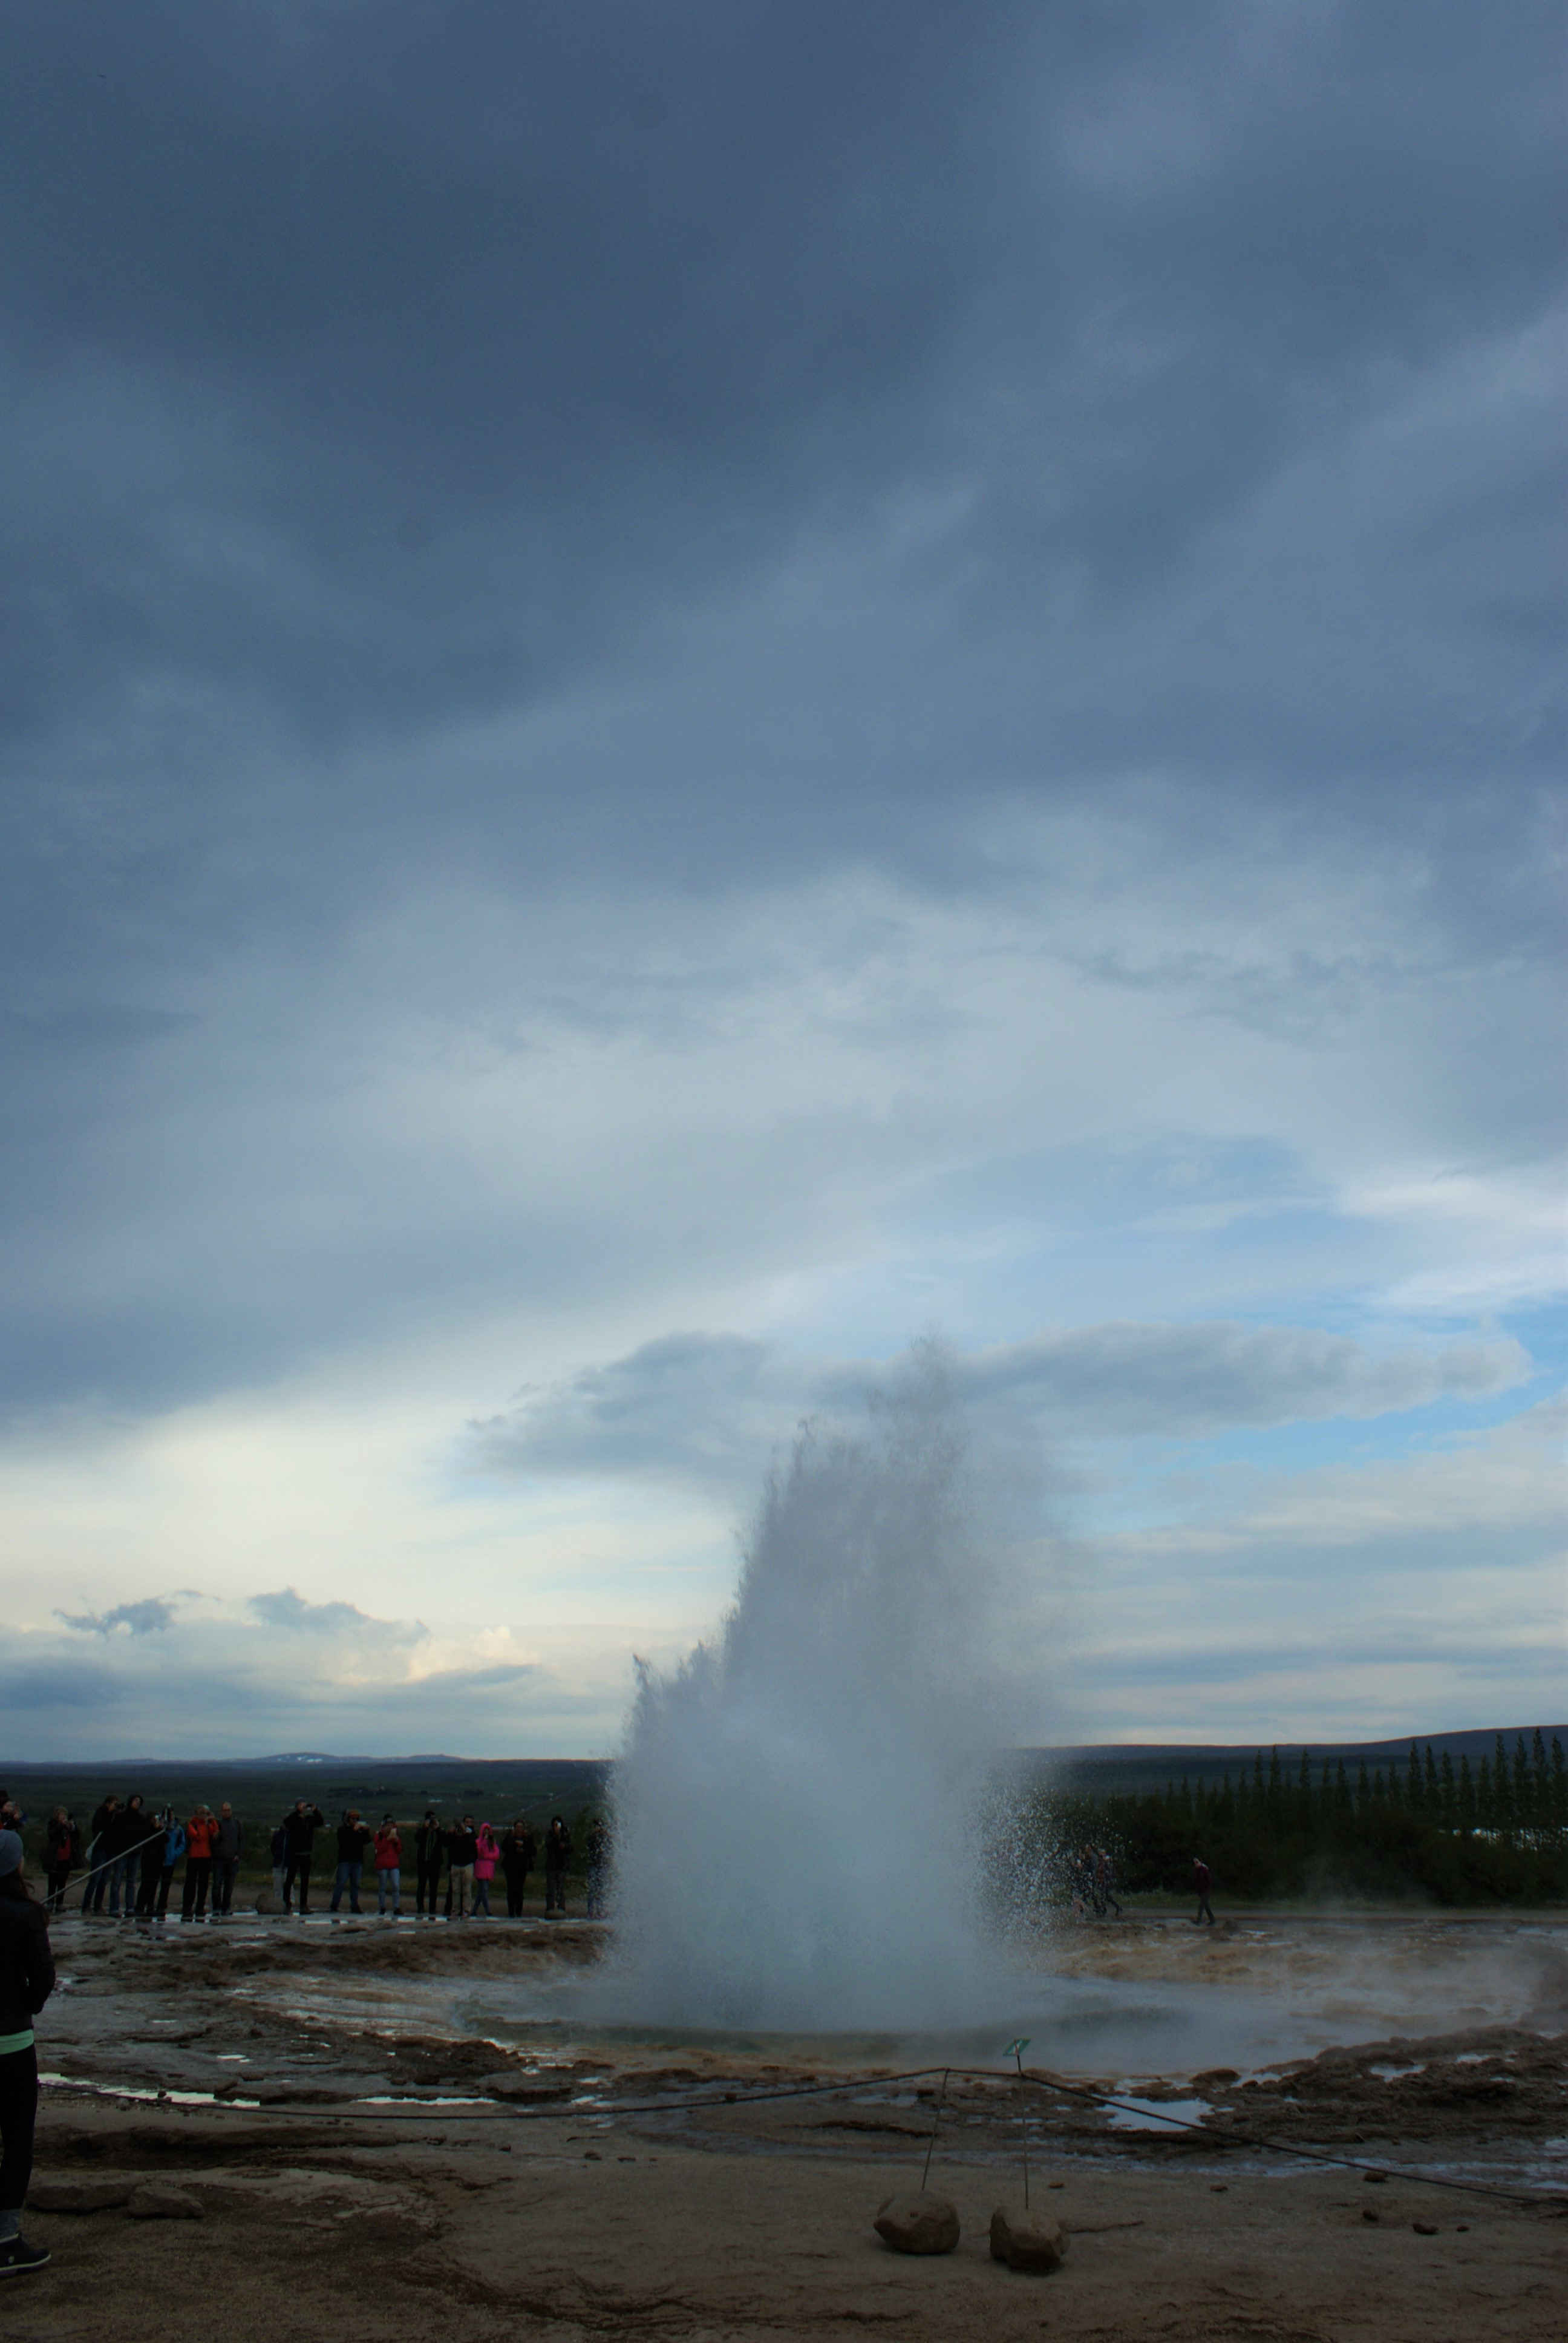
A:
[351, 2160]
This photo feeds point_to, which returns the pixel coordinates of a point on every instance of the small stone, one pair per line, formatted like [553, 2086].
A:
[160, 2201]
[1424, 2229]
[592, 2156]
[1056, 2183]
[920, 2224]
[1370, 2213]
[67, 2196]
[1026, 2241]
[1219, 2188]
[1374, 2179]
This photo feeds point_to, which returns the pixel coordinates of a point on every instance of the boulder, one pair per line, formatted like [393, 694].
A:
[160, 2201]
[1025, 2240]
[71, 2196]
[920, 2224]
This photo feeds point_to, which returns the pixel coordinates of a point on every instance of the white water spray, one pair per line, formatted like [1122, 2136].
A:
[797, 1833]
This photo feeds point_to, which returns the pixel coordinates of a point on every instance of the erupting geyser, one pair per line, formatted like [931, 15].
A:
[797, 1807]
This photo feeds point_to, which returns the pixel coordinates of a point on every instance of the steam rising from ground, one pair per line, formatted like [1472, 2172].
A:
[797, 1835]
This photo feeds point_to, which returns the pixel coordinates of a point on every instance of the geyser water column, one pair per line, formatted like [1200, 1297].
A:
[796, 1808]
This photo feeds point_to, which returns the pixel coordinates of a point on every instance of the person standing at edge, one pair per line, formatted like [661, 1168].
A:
[62, 1854]
[299, 1829]
[1203, 1879]
[173, 1847]
[427, 1841]
[225, 1846]
[154, 1855]
[519, 1852]
[486, 1855]
[352, 1836]
[1105, 1883]
[462, 1846]
[557, 1855]
[97, 1878]
[27, 1981]
[389, 1867]
[200, 1832]
[124, 1835]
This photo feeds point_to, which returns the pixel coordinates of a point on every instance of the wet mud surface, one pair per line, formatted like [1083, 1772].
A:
[355, 2149]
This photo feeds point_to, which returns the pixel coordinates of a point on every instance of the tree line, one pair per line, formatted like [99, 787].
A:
[1494, 1832]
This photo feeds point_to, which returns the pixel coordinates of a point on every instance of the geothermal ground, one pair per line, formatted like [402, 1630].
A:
[382, 2126]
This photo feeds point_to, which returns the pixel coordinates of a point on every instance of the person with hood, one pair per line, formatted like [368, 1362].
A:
[227, 1837]
[462, 1847]
[27, 1981]
[429, 1841]
[557, 1855]
[299, 1828]
[486, 1855]
[201, 1835]
[520, 1851]
[389, 1867]
[96, 1884]
[62, 1854]
[352, 1837]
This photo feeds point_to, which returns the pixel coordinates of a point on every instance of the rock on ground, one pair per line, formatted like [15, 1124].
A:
[160, 2201]
[1026, 2241]
[68, 2196]
[920, 2224]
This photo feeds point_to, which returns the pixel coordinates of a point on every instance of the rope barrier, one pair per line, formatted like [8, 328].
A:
[692, 2104]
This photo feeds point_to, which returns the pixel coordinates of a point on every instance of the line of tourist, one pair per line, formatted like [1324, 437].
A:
[132, 1852]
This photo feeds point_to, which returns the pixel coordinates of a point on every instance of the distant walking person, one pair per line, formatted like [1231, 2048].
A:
[226, 1849]
[299, 1829]
[428, 1842]
[1105, 1883]
[201, 1835]
[352, 1838]
[1202, 1880]
[462, 1846]
[520, 1851]
[557, 1855]
[389, 1867]
[27, 1981]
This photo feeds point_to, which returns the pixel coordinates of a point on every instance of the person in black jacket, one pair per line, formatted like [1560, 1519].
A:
[27, 1981]
[557, 1855]
[62, 1855]
[96, 1885]
[428, 1842]
[520, 1853]
[299, 1829]
[353, 1836]
[462, 1846]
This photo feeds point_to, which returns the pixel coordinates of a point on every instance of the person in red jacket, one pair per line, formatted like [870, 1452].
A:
[201, 1832]
[389, 1867]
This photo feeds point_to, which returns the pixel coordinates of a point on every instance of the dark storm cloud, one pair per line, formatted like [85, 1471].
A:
[399, 358]
[1165, 386]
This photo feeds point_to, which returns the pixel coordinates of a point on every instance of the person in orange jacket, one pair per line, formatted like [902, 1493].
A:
[201, 1832]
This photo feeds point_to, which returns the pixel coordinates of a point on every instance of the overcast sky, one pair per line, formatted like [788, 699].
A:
[694, 686]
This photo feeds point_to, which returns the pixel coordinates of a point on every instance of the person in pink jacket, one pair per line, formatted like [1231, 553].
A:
[485, 1862]
[389, 1867]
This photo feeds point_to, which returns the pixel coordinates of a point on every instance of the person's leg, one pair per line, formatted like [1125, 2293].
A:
[204, 1881]
[187, 1896]
[339, 1880]
[354, 1870]
[395, 1877]
[462, 1889]
[165, 1881]
[18, 2115]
